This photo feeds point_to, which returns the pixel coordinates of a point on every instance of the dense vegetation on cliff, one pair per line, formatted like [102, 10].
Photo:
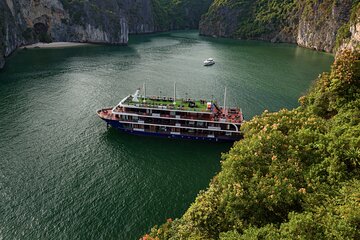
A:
[257, 17]
[179, 14]
[310, 23]
[296, 174]
[166, 14]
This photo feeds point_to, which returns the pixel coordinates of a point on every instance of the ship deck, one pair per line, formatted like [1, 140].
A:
[233, 116]
[107, 114]
[191, 105]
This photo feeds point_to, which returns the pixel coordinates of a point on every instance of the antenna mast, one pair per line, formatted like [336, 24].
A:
[144, 88]
[224, 101]
[174, 93]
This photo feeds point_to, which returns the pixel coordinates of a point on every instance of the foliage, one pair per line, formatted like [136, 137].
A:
[178, 14]
[333, 90]
[168, 14]
[355, 11]
[266, 17]
[255, 18]
[294, 176]
[344, 33]
[280, 19]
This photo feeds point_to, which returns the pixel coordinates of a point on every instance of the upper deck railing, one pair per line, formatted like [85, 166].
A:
[233, 116]
[167, 107]
[168, 103]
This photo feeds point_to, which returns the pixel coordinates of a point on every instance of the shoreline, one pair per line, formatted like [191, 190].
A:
[55, 45]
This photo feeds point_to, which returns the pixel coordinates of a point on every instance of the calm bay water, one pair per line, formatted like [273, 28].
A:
[63, 175]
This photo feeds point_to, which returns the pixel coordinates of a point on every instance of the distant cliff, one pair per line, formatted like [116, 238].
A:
[179, 14]
[312, 24]
[97, 21]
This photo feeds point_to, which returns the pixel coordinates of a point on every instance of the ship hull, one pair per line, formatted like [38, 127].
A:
[119, 126]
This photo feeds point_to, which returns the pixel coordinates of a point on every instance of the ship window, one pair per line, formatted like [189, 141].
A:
[200, 124]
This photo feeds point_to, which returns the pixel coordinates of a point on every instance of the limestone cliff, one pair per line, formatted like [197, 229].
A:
[28, 21]
[351, 40]
[312, 24]
[98, 21]
[10, 35]
[320, 22]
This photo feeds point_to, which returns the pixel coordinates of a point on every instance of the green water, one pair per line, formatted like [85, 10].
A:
[63, 175]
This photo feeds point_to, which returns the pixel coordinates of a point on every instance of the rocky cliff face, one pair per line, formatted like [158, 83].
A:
[352, 41]
[320, 22]
[28, 21]
[98, 21]
[312, 24]
[10, 35]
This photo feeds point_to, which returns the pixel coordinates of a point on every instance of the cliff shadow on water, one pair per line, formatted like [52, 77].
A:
[64, 56]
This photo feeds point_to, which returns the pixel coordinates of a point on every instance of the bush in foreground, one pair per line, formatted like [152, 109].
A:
[294, 176]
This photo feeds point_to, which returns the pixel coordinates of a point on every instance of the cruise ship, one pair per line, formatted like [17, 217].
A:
[172, 117]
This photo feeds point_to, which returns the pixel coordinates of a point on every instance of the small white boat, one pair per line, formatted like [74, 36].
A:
[209, 62]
